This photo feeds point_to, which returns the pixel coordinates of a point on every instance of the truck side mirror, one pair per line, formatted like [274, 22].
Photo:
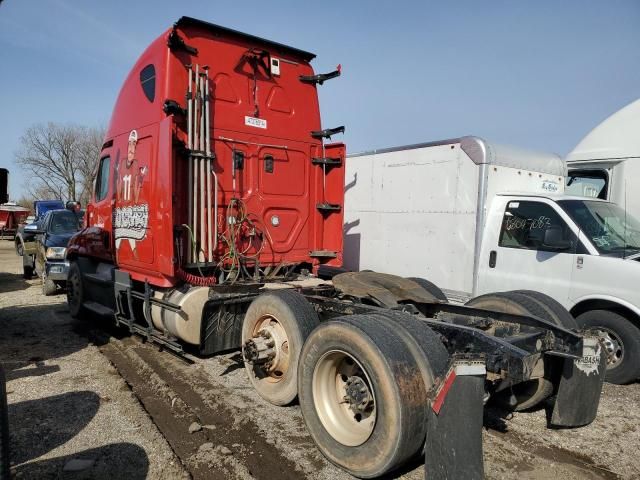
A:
[553, 239]
[32, 228]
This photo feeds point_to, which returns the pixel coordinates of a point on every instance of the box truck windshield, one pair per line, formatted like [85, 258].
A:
[611, 230]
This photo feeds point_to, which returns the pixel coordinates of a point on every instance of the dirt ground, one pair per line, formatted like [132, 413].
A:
[82, 390]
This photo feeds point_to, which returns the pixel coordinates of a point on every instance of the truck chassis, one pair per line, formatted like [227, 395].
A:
[486, 354]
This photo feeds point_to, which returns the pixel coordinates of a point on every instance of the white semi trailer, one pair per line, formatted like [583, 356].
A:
[475, 217]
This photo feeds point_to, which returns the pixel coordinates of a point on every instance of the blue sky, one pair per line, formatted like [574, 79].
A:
[536, 74]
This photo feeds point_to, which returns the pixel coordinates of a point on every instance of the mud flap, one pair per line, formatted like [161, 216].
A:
[453, 447]
[580, 387]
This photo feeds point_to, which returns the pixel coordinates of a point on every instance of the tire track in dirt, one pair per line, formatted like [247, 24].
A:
[225, 447]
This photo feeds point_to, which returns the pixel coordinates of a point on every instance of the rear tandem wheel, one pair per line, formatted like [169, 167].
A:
[273, 332]
[530, 393]
[362, 382]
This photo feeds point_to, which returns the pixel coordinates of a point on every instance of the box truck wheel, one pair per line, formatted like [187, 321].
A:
[75, 290]
[561, 315]
[430, 287]
[530, 393]
[362, 395]
[273, 332]
[621, 342]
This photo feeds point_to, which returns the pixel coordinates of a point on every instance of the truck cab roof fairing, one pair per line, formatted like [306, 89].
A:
[615, 138]
[184, 22]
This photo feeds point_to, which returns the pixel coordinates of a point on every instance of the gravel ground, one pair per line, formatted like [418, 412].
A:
[71, 415]
[213, 423]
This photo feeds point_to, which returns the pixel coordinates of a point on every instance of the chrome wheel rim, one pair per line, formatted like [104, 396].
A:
[613, 346]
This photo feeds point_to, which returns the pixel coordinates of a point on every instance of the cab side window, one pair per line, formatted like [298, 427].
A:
[524, 225]
[102, 179]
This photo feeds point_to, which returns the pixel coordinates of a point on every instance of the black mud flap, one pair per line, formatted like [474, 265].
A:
[580, 387]
[453, 447]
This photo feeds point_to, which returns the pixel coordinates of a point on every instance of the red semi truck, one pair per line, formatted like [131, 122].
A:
[217, 213]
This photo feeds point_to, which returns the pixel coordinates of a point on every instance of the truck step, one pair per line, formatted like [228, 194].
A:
[99, 278]
[327, 161]
[98, 309]
[323, 254]
[328, 207]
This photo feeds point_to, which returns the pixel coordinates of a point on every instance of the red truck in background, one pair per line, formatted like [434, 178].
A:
[215, 222]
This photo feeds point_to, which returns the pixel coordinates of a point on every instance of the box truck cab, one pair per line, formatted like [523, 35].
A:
[475, 217]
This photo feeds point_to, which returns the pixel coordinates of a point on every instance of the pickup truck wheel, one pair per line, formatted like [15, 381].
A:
[621, 342]
[49, 287]
[362, 395]
[273, 332]
[75, 291]
[561, 315]
[530, 393]
[19, 248]
[27, 272]
[430, 287]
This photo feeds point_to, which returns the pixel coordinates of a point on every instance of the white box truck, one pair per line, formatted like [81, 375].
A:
[475, 217]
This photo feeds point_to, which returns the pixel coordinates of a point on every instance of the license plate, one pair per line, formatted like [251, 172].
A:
[56, 269]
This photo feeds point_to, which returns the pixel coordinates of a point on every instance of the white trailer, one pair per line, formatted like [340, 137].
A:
[606, 161]
[474, 217]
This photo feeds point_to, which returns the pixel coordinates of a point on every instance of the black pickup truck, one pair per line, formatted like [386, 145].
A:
[52, 233]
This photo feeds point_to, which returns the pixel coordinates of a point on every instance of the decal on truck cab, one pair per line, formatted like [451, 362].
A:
[131, 223]
[550, 186]
[131, 218]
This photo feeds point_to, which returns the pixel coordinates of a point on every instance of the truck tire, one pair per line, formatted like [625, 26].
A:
[286, 318]
[75, 291]
[27, 272]
[561, 315]
[530, 393]
[49, 287]
[381, 424]
[4, 429]
[430, 287]
[425, 344]
[531, 305]
[622, 344]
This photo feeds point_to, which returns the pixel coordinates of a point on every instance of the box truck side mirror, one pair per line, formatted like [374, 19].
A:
[554, 239]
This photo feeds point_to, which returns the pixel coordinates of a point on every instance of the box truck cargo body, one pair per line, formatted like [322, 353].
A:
[475, 218]
[422, 208]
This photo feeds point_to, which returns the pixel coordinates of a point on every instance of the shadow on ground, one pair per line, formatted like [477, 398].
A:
[49, 422]
[12, 282]
[113, 461]
[23, 347]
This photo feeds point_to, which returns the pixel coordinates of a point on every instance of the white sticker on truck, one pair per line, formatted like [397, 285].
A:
[590, 360]
[550, 186]
[255, 122]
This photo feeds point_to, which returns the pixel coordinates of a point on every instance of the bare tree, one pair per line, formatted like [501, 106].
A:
[60, 160]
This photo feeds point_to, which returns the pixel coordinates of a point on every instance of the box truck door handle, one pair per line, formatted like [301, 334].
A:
[492, 258]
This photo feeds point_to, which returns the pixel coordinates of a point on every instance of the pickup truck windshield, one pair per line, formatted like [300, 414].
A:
[64, 222]
[606, 225]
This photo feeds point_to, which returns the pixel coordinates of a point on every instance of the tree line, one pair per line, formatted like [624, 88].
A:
[59, 161]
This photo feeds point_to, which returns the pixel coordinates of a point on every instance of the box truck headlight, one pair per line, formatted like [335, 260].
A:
[55, 253]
